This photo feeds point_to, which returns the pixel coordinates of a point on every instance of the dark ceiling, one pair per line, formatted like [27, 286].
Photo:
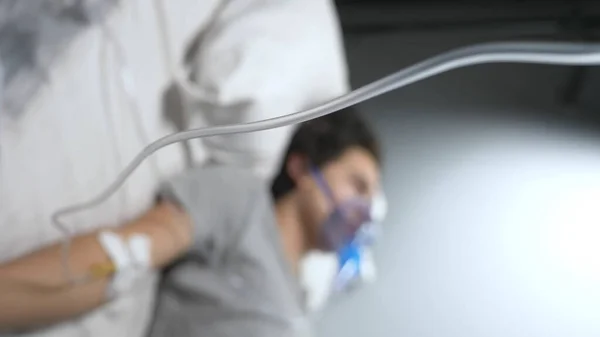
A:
[576, 19]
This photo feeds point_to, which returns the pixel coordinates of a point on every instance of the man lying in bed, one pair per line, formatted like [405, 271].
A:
[240, 277]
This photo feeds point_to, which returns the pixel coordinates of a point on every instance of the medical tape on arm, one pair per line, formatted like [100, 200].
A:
[130, 258]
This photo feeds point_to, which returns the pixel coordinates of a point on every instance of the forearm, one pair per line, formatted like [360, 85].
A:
[34, 290]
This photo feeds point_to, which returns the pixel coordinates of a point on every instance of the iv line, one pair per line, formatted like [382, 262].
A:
[574, 54]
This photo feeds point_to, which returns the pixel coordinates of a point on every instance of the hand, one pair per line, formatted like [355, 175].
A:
[174, 218]
[169, 228]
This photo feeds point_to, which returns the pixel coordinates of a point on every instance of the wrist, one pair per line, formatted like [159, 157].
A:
[168, 228]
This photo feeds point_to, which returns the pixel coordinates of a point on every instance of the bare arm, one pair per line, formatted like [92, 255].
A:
[34, 291]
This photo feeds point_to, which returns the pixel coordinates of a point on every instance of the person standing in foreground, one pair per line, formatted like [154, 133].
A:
[240, 276]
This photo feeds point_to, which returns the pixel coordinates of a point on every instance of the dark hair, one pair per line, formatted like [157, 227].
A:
[323, 140]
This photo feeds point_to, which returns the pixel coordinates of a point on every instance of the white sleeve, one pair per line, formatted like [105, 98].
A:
[262, 59]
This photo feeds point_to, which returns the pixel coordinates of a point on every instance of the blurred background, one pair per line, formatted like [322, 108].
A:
[492, 173]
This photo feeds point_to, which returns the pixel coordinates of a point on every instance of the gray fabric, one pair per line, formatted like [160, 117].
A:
[235, 281]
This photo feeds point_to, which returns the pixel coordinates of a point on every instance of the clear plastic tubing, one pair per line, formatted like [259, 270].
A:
[551, 53]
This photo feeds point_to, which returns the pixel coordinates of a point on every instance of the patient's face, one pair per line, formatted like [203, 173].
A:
[353, 176]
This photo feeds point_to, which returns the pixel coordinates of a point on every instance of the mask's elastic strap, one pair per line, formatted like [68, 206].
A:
[323, 185]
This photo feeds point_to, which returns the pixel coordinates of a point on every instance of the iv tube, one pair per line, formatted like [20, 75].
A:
[573, 54]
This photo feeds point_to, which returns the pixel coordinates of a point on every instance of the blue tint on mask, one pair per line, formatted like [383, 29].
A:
[349, 267]
[345, 220]
[344, 235]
